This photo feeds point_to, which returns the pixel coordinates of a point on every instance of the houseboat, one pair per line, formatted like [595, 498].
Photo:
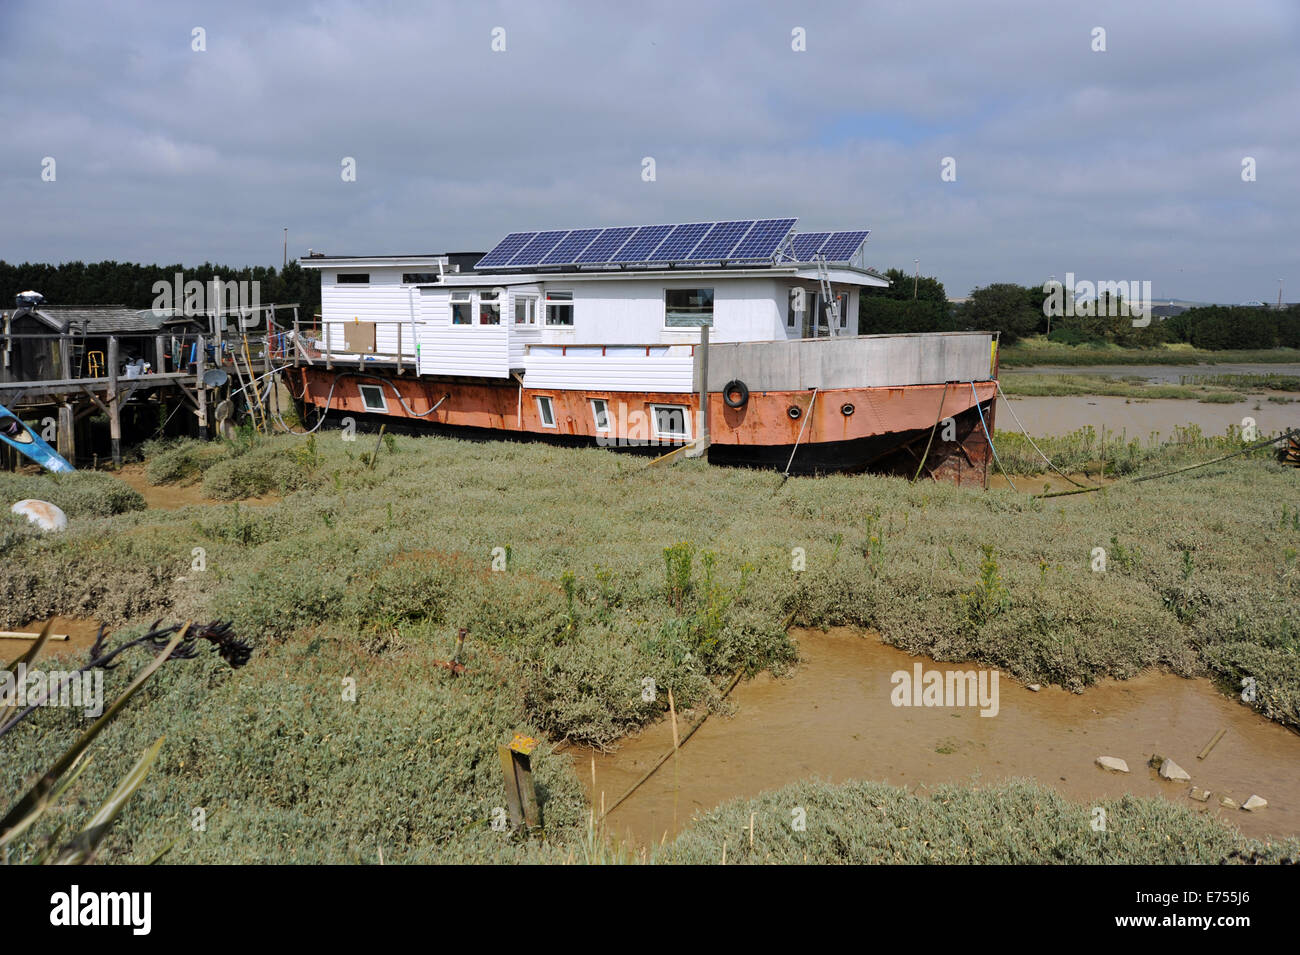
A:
[734, 339]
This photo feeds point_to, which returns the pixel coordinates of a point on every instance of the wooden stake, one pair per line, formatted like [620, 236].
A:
[1211, 744]
[24, 635]
[666, 756]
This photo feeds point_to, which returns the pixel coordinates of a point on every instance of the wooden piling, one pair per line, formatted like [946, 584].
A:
[67, 433]
[201, 390]
[114, 403]
[521, 794]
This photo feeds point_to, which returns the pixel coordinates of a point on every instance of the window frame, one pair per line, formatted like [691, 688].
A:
[468, 301]
[488, 298]
[713, 301]
[365, 401]
[549, 411]
[559, 302]
[686, 434]
[529, 298]
[596, 413]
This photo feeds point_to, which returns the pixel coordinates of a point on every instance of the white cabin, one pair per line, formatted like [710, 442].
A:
[570, 329]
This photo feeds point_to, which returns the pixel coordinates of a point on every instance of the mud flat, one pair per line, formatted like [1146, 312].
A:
[833, 719]
[171, 497]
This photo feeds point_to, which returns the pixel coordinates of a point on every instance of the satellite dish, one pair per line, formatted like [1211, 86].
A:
[215, 378]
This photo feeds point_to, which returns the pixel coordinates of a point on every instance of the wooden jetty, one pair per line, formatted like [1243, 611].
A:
[71, 363]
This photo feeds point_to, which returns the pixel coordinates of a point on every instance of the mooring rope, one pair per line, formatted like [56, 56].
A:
[1025, 432]
[812, 404]
[942, 399]
[989, 437]
[1191, 467]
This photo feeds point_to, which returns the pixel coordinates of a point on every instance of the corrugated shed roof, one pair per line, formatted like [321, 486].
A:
[99, 320]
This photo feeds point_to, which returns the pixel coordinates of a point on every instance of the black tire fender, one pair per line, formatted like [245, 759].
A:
[739, 389]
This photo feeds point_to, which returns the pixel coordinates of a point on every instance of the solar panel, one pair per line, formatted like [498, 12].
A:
[684, 238]
[536, 248]
[642, 244]
[716, 246]
[737, 240]
[761, 241]
[841, 246]
[805, 245]
[606, 245]
[506, 250]
[567, 252]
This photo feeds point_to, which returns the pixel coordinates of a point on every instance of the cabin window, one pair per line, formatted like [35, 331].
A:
[671, 421]
[372, 398]
[600, 412]
[797, 307]
[559, 308]
[462, 308]
[546, 411]
[489, 308]
[353, 278]
[525, 309]
[842, 300]
[688, 307]
[418, 278]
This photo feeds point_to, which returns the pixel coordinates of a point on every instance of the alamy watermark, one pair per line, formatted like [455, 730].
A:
[242, 300]
[83, 689]
[1122, 299]
[668, 426]
[946, 688]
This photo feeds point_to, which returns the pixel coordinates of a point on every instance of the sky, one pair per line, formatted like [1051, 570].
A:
[192, 132]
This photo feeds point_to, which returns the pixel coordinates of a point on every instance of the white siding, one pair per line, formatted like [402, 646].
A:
[668, 368]
[606, 312]
[384, 301]
[523, 335]
[480, 351]
[632, 311]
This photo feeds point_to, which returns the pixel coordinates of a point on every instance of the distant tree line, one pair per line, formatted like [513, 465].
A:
[920, 304]
[132, 285]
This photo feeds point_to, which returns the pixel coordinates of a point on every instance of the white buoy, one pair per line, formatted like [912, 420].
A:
[46, 516]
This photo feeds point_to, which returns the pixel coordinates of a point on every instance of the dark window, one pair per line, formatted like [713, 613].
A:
[415, 278]
[688, 307]
[670, 421]
[353, 278]
[559, 308]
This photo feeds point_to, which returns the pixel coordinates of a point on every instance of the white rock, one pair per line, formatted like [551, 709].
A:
[1171, 770]
[46, 516]
[1227, 803]
[1035, 687]
[1200, 795]
[1254, 803]
[1113, 763]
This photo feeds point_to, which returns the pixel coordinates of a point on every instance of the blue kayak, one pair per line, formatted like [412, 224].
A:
[16, 434]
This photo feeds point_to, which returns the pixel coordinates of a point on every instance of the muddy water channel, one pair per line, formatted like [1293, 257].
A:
[79, 633]
[1142, 418]
[834, 719]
